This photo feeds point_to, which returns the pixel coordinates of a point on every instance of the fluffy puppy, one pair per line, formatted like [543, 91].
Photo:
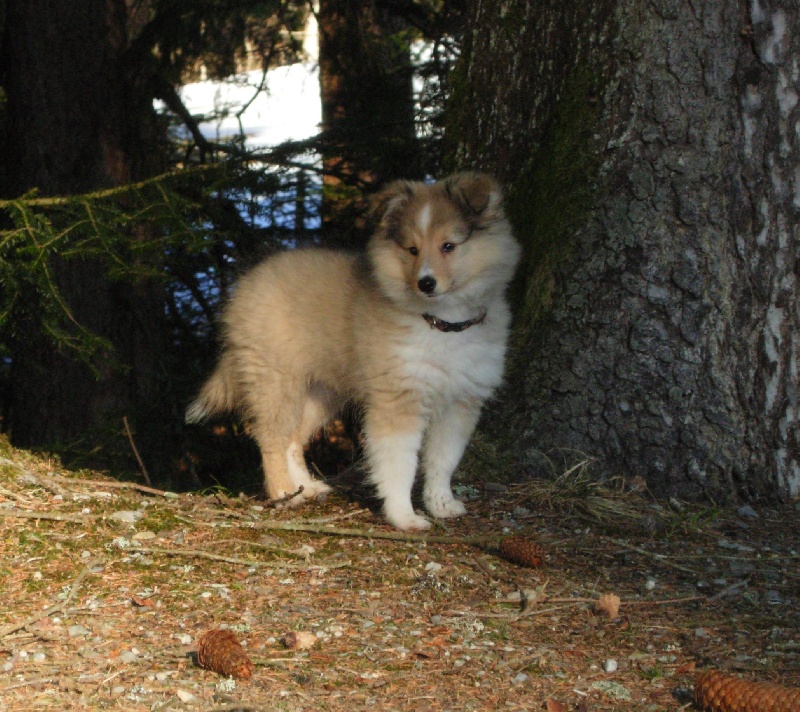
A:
[415, 330]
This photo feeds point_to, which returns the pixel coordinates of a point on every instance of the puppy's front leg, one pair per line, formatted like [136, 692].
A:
[446, 441]
[392, 445]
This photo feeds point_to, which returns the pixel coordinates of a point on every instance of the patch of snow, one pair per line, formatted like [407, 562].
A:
[288, 108]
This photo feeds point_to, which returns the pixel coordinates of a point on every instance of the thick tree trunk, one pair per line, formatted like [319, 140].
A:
[367, 105]
[70, 111]
[654, 161]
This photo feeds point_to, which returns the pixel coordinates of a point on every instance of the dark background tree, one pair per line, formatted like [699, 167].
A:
[78, 82]
[653, 164]
[75, 122]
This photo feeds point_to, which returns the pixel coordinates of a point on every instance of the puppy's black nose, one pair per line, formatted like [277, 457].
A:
[427, 285]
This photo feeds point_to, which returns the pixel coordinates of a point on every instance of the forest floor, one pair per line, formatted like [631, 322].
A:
[107, 586]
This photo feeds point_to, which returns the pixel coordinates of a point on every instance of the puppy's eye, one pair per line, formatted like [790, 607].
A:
[413, 251]
[448, 247]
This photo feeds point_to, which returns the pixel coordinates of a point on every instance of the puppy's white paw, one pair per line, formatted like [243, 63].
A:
[406, 519]
[315, 488]
[443, 505]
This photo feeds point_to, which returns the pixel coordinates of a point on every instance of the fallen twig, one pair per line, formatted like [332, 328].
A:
[13, 495]
[287, 497]
[113, 484]
[55, 608]
[662, 558]
[258, 544]
[48, 481]
[335, 517]
[727, 591]
[511, 616]
[665, 601]
[197, 553]
[30, 477]
[48, 679]
[567, 602]
[372, 534]
[55, 516]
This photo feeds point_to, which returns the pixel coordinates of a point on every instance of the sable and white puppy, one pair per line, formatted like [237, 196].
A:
[415, 331]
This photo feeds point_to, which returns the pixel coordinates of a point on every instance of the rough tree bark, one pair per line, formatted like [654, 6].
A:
[74, 123]
[652, 151]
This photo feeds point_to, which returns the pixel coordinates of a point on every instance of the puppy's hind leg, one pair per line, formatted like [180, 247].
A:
[446, 441]
[278, 483]
[319, 408]
[275, 411]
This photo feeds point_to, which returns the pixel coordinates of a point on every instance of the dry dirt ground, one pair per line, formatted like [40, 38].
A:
[106, 587]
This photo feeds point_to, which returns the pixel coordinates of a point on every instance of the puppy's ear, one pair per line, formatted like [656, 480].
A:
[385, 205]
[477, 195]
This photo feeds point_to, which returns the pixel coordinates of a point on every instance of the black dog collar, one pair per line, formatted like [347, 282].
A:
[436, 323]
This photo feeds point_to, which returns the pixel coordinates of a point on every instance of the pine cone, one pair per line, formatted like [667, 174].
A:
[715, 692]
[220, 651]
[522, 551]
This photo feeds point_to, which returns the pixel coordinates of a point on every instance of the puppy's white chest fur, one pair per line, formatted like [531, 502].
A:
[449, 366]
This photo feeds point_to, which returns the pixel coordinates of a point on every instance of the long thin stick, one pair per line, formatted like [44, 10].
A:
[371, 534]
[54, 516]
[568, 603]
[335, 517]
[727, 591]
[662, 558]
[145, 474]
[655, 602]
[111, 484]
[197, 553]
[30, 683]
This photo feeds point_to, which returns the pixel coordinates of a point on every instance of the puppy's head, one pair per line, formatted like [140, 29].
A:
[441, 241]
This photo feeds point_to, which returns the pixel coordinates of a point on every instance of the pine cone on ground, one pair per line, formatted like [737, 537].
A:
[220, 651]
[715, 692]
[522, 551]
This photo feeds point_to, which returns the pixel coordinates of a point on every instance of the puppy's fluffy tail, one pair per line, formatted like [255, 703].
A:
[217, 396]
